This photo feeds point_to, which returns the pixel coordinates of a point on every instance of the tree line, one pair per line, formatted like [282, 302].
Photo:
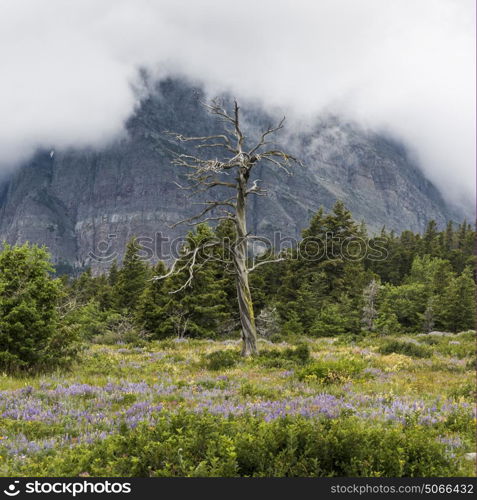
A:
[425, 282]
[422, 282]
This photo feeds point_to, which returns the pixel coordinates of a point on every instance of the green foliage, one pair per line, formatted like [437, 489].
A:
[150, 313]
[131, 278]
[89, 320]
[203, 445]
[467, 391]
[87, 288]
[407, 348]
[408, 303]
[387, 323]
[332, 371]
[324, 269]
[218, 360]
[457, 303]
[288, 357]
[320, 289]
[120, 329]
[181, 308]
[31, 337]
[335, 319]
[292, 327]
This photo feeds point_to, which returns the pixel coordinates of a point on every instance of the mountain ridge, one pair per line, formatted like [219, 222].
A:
[73, 201]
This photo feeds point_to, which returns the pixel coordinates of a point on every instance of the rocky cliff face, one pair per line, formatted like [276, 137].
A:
[84, 205]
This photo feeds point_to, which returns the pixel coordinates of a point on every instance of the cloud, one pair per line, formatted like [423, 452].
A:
[70, 68]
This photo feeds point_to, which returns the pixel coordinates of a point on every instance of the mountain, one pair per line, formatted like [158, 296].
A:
[85, 204]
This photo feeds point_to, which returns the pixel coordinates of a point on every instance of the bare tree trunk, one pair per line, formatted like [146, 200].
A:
[247, 317]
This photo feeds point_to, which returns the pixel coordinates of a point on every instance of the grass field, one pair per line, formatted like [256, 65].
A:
[68, 423]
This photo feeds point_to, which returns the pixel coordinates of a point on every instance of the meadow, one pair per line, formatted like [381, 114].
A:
[365, 405]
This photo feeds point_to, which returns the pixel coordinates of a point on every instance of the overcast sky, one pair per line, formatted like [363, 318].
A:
[69, 68]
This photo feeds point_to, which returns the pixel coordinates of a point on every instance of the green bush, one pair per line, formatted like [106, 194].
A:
[187, 444]
[218, 360]
[254, 391]
[31, 336]
[430, 340]
[406, 348]
[467, 391]
[288, 357]
[332, 371]
[468, 335]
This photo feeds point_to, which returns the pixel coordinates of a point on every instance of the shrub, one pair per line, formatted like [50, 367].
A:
[254, 391]
[188, 444]
[121, 329]
[429, 340]
[331, 371]
[467, 391]
[468, 335]
[218, 360]
[286, 358]
[31, 337]
[407, 348]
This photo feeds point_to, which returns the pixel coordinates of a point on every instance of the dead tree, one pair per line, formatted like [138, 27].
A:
[370, 312]
[229, 171]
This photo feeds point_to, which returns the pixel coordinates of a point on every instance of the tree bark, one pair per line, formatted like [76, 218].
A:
[247, 317]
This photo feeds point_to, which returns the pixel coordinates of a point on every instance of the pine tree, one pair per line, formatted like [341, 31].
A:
[113, 274]
[150, 313]
[430, 240]
[199, 309]
[449, 237]
[84, 287]
[30, 334]
[335, 319]
[131, 279]
[457, 304]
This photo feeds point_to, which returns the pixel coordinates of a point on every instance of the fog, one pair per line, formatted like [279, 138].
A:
[70, 69]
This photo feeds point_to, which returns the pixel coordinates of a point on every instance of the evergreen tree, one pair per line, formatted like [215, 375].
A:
[113, 274]
[84, 287]
[449, 238]
[199, 309]
[327, 265]
[30, 334]
[430, 240]
[131, 279]
[407, 302]
[335, 319]
[457, 304]
[150, 312]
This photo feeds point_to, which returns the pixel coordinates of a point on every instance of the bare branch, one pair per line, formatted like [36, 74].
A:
[190, 264]
[256, 189]
[215, 108]
[263, 262]
[210, 206]
[238, 130]
[269, 131]
[204, 140]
